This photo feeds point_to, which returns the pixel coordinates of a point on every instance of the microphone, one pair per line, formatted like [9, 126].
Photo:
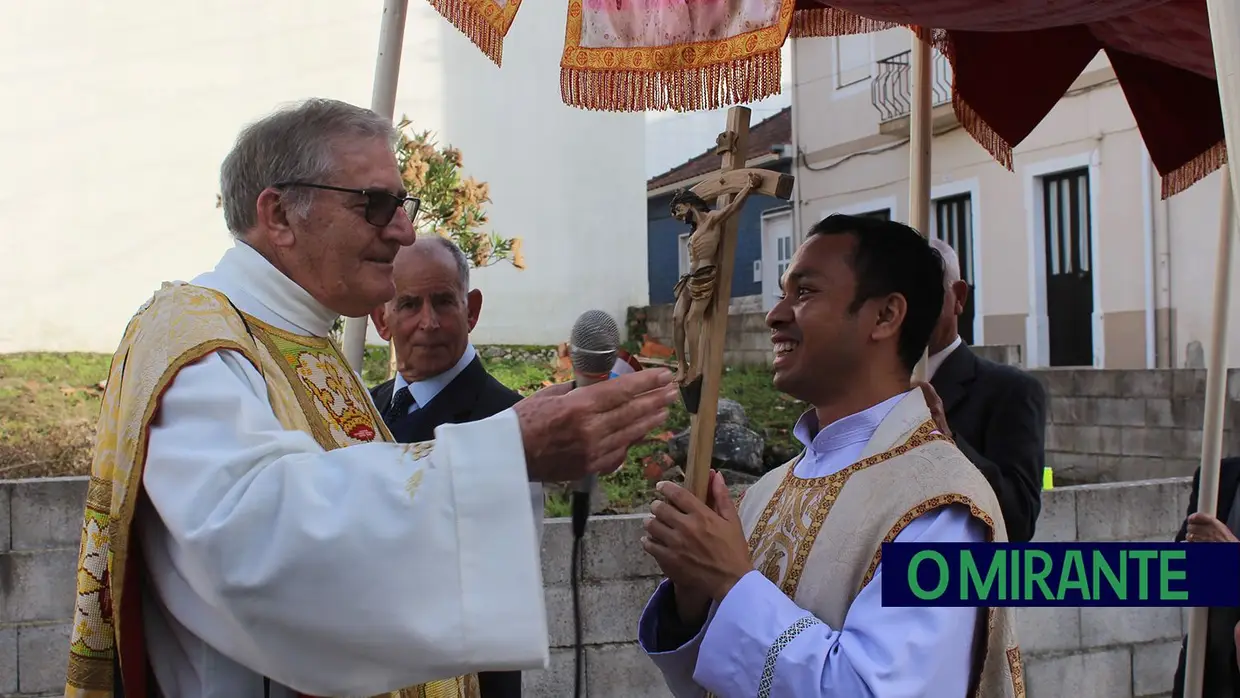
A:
[593, 348]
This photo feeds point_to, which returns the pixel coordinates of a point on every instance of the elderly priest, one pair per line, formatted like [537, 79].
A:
[251, 530]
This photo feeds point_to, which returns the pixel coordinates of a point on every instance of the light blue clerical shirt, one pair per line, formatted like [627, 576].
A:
[879, 652]
[424, 391]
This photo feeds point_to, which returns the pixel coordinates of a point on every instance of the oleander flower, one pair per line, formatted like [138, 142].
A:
[453, 204]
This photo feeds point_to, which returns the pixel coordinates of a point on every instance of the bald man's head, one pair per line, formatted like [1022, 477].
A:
[956, 292]
[429, 319]
[951, 262]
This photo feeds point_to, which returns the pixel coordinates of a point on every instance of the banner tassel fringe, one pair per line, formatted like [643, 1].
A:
[1194, 170]
[683, 89]
[830, 21]
[466, 18]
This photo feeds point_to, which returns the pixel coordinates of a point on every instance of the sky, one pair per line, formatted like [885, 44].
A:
[672, 137]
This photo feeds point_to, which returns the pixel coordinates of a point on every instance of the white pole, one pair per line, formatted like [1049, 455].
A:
[1212, 429]
[382, 101]
[919, 149]
[1225, 37]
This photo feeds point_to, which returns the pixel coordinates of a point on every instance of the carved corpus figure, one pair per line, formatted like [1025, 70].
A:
[695, 289]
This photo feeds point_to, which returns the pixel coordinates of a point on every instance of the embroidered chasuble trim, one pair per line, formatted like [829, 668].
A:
[103, 560]
[1012, 654]
[106, 632]
[781, 532]
[921, 509]
[1015, 666]
[416, 452]
[772, 655]
[324, 385]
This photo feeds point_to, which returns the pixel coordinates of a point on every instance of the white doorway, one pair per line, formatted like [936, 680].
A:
[777, 249]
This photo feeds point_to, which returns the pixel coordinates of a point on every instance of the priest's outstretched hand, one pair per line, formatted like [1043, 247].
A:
[569, 434]
[699, 546]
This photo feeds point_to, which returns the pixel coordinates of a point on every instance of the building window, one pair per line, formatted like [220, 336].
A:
[882, 214]
[852, 59]
[783, 255]
[1069, 280]
[1066, 210]
[953, 224]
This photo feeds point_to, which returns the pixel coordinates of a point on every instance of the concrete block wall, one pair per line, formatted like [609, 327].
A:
[1000, 353]
[1110, 426]
[1106, 652]
[40, 532]
[1102, 652]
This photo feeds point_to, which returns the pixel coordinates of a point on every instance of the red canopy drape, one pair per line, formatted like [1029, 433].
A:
[1012, 60]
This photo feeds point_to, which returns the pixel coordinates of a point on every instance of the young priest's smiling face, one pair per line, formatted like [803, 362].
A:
[816, 339]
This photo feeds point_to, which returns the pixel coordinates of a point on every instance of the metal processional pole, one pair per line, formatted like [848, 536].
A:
[383, 102]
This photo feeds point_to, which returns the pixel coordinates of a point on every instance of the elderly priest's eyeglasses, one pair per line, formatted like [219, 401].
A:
[380, 205]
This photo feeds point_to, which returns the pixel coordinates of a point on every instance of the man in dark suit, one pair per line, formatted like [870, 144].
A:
[996, 413]
[439, 375]
[1222, 674]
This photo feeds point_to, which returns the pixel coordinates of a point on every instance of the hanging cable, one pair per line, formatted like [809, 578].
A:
[580, 513]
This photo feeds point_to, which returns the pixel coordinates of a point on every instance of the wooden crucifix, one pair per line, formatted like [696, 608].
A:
[703, 295]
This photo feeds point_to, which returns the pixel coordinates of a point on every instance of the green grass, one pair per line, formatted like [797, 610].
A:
[48, 407]
[49, 404]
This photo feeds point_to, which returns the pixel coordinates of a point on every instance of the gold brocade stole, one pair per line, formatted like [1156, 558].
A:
[785, 532]
[789, 524]
[322, 396]
[780, 543]
[311, 389]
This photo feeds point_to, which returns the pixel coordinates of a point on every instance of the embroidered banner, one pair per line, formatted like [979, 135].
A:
[1061, 574]
[638, 55]
[485, 22]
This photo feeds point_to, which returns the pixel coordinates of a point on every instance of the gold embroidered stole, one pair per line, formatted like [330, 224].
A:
[819, 539]
[310, 388]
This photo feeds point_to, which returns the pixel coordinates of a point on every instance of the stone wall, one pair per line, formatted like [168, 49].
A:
[1110, 426]
[1000, 353]
[748, 342]
[1101, 652]
[40, 531]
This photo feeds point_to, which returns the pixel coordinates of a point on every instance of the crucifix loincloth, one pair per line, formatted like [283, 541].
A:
[701, 282]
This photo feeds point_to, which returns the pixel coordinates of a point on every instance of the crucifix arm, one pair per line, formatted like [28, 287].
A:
[774, 184]
[737, 201]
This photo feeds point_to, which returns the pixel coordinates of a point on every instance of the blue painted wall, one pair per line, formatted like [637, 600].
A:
[662, 232]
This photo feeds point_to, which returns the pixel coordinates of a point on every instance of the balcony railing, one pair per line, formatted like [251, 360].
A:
[891, 89]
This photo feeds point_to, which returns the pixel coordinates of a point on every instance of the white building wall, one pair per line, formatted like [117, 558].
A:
[672, 138]
[117, 117]
[1159, 309]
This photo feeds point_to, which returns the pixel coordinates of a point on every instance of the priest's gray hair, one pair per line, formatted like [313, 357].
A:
[458, 256]
[294, 144]
[951, 263]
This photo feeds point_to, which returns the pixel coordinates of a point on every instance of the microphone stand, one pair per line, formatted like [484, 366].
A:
[580, 502]
[581, 511]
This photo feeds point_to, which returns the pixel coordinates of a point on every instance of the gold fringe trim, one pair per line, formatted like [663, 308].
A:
[830, 21]
[1194, 170]
[683, 89]
[981, 131]
[970, 120]
[467, 18]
